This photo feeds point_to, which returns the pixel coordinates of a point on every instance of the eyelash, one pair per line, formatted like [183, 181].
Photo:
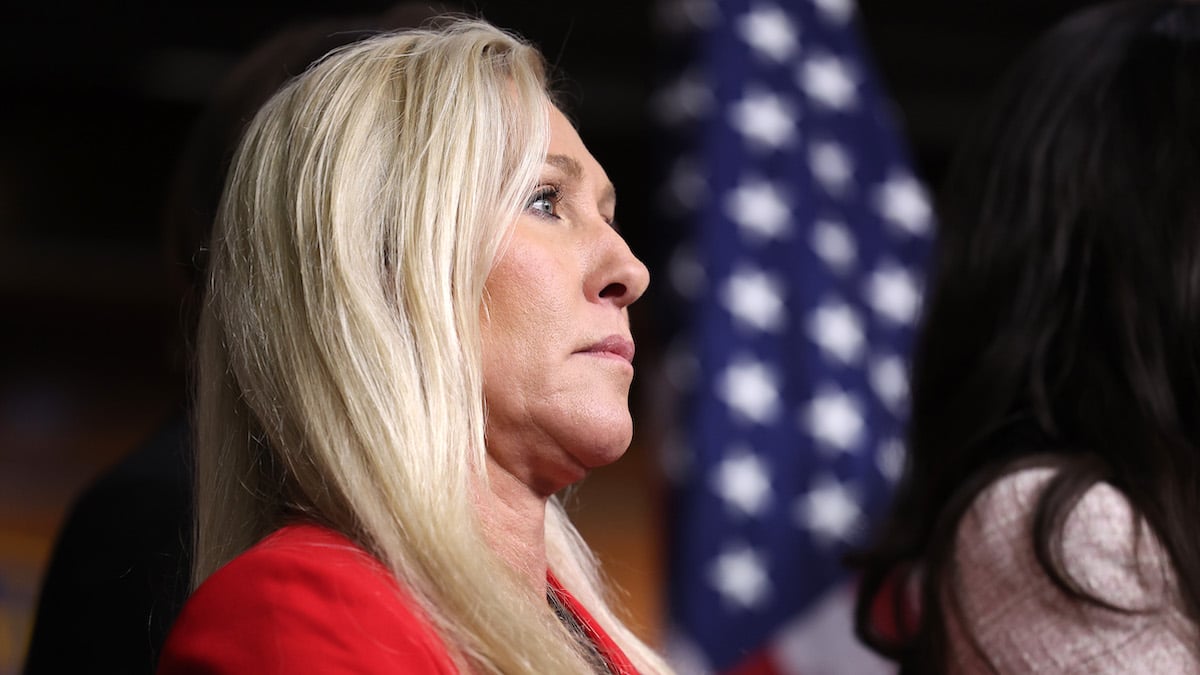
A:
[550, 193]
[553, 194]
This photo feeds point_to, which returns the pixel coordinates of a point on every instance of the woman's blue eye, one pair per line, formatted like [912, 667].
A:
[544, 201]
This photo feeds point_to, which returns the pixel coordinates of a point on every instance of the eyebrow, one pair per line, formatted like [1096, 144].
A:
[570, 166]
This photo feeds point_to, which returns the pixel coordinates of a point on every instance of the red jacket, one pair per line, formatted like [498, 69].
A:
[307, 600]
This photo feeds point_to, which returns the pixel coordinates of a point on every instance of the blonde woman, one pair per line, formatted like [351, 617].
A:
[416, 335]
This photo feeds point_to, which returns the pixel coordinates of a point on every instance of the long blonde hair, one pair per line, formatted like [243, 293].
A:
[339, 369]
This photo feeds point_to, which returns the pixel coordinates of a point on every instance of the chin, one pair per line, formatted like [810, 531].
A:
[586, 455]
[607, 443]
[599, 457]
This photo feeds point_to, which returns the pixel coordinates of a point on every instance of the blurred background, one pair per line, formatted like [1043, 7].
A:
[98, 98]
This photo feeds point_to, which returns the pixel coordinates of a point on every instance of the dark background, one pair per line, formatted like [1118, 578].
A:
[95, 103]
[98, 99]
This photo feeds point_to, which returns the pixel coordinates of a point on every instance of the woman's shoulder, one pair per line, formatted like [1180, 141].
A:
[1022, 621]
[1106, 546]
[305, 598]
[286, 566]
[303, 545]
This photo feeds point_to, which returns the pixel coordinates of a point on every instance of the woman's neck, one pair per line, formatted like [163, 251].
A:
[514, 521]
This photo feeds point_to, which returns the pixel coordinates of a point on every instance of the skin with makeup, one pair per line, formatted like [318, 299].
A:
[395, 384]
[557, 350]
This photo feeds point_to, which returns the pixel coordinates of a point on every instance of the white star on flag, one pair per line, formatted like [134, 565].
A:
[835, 420]
[750, 389]
[838, 11]
[829, 81]
[755, 299]
[760, 210]
[893, 294]
[682, 366]
[675, 459]
[835, 327]
[829, 510]
[831, 165]
[834, 244]
[741, 480]
[686, 273]
[769, 31]
[901, 201]
[685, 186]
[687, 98]
[890, 459]
[764, 119]
[678, 16]
[739, 575]
[890, 381]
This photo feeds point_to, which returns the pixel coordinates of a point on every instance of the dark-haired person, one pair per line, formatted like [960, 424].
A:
[1048, 517]
[120, 569]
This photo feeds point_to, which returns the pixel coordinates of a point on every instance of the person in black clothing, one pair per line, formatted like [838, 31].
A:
[120, 569]
[119, 572]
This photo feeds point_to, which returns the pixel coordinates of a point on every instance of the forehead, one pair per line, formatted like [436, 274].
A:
[563, 137]
[568, 154]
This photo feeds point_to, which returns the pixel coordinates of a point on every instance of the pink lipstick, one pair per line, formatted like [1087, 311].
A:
[614, 345]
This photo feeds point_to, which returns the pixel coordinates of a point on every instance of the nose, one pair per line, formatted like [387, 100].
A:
[620, 278]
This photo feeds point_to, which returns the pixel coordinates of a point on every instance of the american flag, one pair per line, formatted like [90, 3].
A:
[804, 237]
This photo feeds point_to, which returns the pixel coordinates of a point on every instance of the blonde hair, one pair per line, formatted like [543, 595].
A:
[339, 359]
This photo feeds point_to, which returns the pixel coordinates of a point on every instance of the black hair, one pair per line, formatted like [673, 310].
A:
[1063, 319]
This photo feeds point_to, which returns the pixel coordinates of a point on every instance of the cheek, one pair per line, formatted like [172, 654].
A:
[527, 304]
[511, 326]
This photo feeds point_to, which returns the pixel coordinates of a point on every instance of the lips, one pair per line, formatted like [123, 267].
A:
[614, 345]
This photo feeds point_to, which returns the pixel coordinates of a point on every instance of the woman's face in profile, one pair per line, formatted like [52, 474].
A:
[557, 352]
